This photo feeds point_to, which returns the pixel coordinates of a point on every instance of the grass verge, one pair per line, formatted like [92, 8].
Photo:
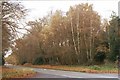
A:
[77, 68]
[17, 73]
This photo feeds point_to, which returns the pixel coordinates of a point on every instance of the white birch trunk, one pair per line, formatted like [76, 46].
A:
[78, 39]
[86, 44]
[73, 38]
[91, 36]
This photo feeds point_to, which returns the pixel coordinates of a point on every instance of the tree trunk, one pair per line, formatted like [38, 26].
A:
[74, 43]
[91, 35]
[78, 34]
[3, 60]
[73, 38]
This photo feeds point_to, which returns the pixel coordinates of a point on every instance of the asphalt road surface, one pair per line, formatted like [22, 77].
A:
[49, 73]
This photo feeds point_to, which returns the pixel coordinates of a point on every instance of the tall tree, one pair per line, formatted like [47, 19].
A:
[85, 24]
[11, 15]
[113, 37]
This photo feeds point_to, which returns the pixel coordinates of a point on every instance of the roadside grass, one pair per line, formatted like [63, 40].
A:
[16, 73]
[103, 67]
[107, 68]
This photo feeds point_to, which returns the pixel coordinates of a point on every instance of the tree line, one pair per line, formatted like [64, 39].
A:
[75, 37]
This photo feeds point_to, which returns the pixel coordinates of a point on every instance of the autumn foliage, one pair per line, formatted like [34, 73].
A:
[76, 37]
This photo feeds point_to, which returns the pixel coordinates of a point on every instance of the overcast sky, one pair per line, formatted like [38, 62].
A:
[39, 9]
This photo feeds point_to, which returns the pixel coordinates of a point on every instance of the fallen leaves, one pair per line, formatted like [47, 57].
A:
[70, 68]
[17, 73]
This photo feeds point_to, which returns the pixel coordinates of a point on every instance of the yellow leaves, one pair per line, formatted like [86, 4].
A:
[102, 48]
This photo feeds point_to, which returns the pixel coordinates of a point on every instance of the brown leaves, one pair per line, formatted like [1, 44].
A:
[16, 73]
[76, 68]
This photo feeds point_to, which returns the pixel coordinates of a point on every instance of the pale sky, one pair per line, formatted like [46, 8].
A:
[39, 9]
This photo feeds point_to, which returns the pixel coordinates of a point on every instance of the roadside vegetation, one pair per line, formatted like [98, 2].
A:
[16, 73]
[108, 68]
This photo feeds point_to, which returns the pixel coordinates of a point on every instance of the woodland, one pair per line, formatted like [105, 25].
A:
[76, 37]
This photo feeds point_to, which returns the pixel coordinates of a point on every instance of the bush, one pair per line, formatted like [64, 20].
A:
[22, 63]
[100, 57]
[95, 67]
[38, 61]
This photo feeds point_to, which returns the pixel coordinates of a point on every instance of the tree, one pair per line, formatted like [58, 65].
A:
[31, 45]
[85, 24]
[11, 15]
[113, 37]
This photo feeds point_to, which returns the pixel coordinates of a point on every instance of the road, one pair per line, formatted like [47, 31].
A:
[49, 73]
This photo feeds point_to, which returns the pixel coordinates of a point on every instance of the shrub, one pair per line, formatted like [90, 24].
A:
[99, 57]
[38, 60]
[22, 63]
[95, 67]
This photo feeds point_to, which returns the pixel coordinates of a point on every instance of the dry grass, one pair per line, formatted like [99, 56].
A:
[76, 68]
[17, 73]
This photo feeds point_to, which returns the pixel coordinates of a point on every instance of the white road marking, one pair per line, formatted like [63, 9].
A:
[71, 76]
[44, 69]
